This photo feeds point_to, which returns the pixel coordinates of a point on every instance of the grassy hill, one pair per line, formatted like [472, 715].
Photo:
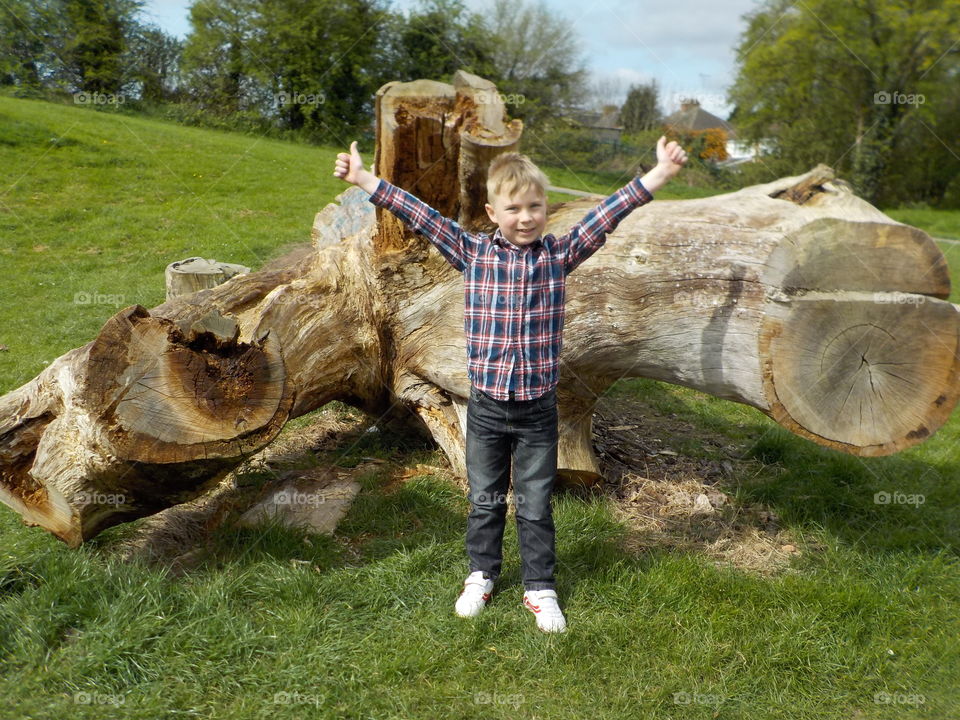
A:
[666, 618]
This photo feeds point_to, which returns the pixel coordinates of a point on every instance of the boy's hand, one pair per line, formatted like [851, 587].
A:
[349, 167]
[670, 158]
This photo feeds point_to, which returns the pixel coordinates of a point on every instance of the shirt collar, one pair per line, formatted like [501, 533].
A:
[503, 242]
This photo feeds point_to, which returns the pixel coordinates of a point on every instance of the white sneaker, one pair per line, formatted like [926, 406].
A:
[475, 596]
[543, 604]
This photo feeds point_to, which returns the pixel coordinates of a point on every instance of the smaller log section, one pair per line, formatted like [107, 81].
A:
[186, 276]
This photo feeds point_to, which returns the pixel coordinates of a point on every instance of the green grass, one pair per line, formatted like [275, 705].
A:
[939, 223]
[365, 628]
[94, 206]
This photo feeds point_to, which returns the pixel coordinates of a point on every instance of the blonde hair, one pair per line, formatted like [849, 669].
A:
[512, 173]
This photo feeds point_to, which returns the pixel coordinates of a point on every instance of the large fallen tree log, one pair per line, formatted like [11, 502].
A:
[795, 297]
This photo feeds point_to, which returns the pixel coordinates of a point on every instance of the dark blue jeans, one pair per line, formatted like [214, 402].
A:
[525, 430]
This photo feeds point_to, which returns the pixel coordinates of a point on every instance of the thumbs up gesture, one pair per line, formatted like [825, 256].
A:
[349, 165]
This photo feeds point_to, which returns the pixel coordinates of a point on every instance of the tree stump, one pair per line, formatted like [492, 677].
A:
[195, 273]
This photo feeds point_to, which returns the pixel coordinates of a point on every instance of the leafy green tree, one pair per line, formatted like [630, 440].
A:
[435, 40]
[641, 109]
[154, 63]
[66, 44]
[317, 63]
[847, 82]
[94, 47]
[28, 56]
[218, 60]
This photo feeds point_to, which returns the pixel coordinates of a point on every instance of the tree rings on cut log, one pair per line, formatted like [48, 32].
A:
[868, 373]
[168, 393]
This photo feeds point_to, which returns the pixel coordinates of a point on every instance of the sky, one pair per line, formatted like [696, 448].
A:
[685, 45]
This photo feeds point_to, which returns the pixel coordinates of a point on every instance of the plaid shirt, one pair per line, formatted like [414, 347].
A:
[514, 309]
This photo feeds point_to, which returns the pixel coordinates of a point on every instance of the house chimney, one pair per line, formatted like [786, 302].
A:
[688, 103]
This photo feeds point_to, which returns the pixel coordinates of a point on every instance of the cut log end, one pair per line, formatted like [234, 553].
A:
[857, 375]
[169, 393]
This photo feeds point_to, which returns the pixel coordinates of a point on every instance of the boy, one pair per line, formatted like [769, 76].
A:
[514, 286]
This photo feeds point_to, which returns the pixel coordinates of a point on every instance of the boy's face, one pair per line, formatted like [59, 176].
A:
[521, 217]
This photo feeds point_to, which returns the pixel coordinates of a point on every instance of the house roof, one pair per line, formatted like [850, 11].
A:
[608, 119]
[691, 116]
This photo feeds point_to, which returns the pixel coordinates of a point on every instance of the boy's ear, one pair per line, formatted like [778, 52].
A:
[490, 212]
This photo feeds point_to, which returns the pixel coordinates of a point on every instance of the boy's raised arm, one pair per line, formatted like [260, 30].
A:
[587, 236]
[450, 239]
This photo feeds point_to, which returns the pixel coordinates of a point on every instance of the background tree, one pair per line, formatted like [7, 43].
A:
[28, 44]
[96, 40]
[155, 60]
[641, 109]
[839, 82]
[318, 63]
[219, 63]
[537, 58]
[69, 45]
[436, 39]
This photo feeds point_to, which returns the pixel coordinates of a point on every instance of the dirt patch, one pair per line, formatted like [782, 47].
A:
[669, 499]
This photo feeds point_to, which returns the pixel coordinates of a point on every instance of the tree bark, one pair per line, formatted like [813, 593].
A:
[795, 297]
